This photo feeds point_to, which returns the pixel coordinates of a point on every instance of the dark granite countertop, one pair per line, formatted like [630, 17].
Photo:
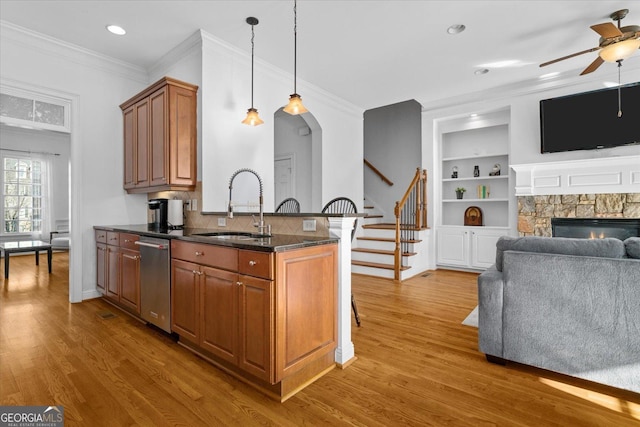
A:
[274, 243]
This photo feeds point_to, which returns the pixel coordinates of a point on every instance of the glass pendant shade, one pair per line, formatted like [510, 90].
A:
[621, 50]
[252, 119]
[295, 105]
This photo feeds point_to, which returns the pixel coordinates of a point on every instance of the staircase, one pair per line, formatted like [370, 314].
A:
[377, 246]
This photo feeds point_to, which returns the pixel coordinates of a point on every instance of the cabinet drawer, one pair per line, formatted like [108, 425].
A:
[257, 264]
[113, 238]
[101, 236]
[127, 240]
[200, 253]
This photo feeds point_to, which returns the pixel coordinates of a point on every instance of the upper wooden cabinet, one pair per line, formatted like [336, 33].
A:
[160, 136]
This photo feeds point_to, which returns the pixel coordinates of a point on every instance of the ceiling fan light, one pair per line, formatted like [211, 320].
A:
[252, 119]
[295, 105]
[619, 51]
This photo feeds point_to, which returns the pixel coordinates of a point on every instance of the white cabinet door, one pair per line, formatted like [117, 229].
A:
[483, 247]
[468, 247]
[453, 246]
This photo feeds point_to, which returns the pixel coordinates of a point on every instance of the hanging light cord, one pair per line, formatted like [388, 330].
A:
[295, 44]
[619, 94]
[252, 46]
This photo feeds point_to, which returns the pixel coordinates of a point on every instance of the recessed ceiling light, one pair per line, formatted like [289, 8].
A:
[116, 29]
[481, 71]
[456, 29]
[610, 84]
[473, 115]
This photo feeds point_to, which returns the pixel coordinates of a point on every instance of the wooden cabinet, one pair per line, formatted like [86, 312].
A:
[259, 315]
[160, 137]
[118, 268]
[225, 313]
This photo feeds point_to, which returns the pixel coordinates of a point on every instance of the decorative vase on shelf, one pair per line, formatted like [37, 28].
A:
[476, 171]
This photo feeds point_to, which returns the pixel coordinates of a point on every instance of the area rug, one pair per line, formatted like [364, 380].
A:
[472, 318]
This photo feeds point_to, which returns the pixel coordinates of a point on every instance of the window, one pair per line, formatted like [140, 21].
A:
[20, 107]
[22, 194]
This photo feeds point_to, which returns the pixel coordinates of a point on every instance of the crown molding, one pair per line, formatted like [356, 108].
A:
[191, 44]
[53, 47]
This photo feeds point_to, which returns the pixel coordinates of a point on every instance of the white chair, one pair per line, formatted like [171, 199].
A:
[61, 241]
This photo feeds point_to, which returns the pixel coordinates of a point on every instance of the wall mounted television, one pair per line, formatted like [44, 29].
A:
[588, 121]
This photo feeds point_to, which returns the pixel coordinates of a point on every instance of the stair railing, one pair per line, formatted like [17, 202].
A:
[377, 172]
[411, 216]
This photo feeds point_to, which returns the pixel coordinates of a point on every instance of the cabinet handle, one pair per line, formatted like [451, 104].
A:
[127, 241]
[101, 249]
[252, 263]
[199, 273]
[199, 253]
[239, 283]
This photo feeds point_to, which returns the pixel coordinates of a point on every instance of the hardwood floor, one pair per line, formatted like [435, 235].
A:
[417, 365]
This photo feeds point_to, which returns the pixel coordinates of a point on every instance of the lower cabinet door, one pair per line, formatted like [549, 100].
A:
[130, 279]
[453, 246]
[101, 268]
[185, 308]
[256, 305]
[219, 313]
[113, 272]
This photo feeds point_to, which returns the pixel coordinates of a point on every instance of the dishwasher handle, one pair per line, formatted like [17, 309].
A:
[151, 245]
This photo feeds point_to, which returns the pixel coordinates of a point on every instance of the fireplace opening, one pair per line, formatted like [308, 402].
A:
[595, 228]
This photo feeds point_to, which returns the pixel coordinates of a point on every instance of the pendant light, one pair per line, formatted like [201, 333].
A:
[252, 118]
[295, 102]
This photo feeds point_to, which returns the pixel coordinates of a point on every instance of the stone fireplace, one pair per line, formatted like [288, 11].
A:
[593, 188]
[535, 212]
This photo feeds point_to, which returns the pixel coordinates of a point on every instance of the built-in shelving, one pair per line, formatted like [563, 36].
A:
[467, 144]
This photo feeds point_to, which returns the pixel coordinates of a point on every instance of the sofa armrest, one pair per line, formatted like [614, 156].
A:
[490, 300]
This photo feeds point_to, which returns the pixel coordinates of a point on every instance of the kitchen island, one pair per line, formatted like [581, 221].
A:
[262, 308]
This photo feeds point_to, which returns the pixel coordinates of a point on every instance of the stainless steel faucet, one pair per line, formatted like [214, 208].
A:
[262, 227]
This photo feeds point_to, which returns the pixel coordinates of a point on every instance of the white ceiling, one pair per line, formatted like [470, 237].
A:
[371, 53]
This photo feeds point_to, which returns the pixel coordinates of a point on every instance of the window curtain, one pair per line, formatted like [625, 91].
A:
[47, 212]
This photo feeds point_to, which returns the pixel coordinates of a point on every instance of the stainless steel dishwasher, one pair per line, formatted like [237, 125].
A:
[155, 281]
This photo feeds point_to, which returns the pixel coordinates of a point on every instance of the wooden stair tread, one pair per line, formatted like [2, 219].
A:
[384, 239]
[378, 265]
[387, 226]
[373, 216]
[381, 252]
[369, 207]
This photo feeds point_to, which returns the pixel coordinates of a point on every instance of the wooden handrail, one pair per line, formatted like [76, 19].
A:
[416, 219]
[377, 172]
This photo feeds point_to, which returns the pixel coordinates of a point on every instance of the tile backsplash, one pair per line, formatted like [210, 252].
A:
[280, 224]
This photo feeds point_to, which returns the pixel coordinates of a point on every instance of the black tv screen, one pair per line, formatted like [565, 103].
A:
[589, 120]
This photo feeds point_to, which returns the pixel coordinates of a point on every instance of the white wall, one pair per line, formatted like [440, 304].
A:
[228, 145]
[288, 141]
[96, 86]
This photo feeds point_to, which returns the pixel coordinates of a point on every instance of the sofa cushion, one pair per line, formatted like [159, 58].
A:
[604, 248]
[632, 245]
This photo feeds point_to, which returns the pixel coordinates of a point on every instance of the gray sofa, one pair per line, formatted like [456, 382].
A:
[567, 305]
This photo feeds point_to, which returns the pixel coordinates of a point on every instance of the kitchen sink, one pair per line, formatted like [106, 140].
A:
[234, 235]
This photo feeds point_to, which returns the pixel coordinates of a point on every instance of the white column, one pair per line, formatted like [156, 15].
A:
[341, 227]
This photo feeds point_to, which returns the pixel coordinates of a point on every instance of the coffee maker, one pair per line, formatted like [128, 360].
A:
[159, 209]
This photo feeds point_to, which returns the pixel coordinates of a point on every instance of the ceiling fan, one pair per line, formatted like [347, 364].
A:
[616, 43]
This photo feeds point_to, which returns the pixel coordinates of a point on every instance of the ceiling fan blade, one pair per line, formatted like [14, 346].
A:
[593, 66]
[607, 30]
[593, 49]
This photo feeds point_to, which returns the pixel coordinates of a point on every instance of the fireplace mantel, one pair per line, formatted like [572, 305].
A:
[604, 175]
